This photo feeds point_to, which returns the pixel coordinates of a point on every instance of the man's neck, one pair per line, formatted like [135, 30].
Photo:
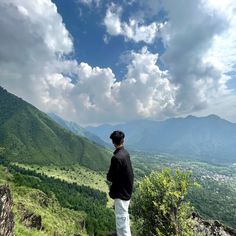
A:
[119, 146]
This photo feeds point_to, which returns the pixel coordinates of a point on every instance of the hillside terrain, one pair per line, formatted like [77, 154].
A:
[30, 136]
[78, 130]
[54, 218]
[61, 207]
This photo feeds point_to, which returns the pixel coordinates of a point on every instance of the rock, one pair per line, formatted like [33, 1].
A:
[211, 228]
[30, 219]
[6, 215]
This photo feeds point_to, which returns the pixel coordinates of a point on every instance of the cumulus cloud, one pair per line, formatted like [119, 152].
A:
[133, 30]
[33, 39]
[146, 89]
[97, 96]
[34, 42]
[222, 54]
[192, 48]
[200, 47]
[37, 70]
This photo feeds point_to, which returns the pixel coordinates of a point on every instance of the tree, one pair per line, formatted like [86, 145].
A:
[2, 150]
[159, 207]
[3, 160]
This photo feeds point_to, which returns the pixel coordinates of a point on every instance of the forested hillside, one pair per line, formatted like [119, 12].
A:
[30, 136]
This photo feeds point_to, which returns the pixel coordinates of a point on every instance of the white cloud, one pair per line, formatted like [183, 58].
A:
[189, 47]
[222, 54]
[133, 30]
[98, 97]
[146, 90]
[34, 40]
[36, 70]
[106, 39]
[112, 20]
[90, 3]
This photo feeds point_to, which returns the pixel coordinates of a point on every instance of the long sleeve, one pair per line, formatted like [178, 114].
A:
[113, 170]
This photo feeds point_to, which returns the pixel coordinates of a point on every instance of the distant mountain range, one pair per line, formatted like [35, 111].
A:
[30, 136]
[210, 138]
[77, 129]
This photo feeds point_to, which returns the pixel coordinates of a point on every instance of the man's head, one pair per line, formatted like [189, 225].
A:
[117, 138]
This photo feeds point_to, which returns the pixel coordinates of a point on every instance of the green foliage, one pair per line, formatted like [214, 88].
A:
[30, 136]
[215, 201]
[159, 207]
[56, 220]
[99, 220]
[74, 174]
[2, 150]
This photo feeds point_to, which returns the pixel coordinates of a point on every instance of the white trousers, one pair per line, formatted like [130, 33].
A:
[122, 217]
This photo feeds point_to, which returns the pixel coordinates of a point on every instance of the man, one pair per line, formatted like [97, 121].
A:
[121, 176]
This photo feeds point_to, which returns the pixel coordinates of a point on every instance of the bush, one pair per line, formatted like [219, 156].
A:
[159, 207]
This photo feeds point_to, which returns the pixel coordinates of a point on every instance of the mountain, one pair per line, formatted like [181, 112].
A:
[77, 129]
[30, 136]
[206, 138]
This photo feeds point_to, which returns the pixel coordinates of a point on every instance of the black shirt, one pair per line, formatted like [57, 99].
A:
[121, 175]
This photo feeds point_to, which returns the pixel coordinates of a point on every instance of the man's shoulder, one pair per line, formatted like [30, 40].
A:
[121, 153]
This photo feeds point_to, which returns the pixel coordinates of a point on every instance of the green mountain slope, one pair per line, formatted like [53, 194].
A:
[78, 130]
[30, 136]
[55, 219]
[64, 207]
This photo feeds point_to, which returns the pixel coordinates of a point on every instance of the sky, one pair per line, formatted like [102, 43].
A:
[95, 62]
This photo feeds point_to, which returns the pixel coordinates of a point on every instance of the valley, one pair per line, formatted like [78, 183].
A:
[215, 198]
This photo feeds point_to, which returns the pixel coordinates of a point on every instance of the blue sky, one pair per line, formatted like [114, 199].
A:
[94, 61]
[85, 24]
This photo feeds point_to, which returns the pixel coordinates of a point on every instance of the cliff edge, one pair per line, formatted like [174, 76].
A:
[6, 214]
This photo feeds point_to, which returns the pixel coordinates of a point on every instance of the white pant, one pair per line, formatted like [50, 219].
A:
[122, 217]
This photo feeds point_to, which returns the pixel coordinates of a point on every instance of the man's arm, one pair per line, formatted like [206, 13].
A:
[113, 170]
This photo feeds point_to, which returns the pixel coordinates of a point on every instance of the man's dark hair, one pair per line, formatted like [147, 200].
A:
[117, 137]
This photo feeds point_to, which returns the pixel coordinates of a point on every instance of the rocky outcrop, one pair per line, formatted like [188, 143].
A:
[30, 219]
[6, 214]
[211, 228]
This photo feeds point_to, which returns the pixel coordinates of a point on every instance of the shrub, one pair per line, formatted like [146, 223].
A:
[158, 204]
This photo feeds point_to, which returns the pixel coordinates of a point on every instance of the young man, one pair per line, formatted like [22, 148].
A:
[121, 176]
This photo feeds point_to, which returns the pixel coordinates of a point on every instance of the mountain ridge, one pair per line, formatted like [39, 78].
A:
[30, 136]
[77, 129]
[209, 138]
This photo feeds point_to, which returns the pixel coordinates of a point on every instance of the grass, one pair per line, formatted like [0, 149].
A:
[74, 174]
[55, 219]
